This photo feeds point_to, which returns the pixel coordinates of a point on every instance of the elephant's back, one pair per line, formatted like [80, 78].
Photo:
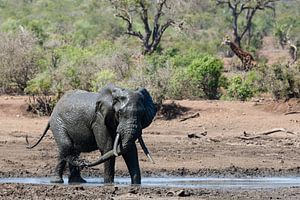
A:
[75, 108]
[77, 100]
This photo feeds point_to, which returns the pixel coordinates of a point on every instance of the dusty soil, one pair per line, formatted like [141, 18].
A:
[190, 138]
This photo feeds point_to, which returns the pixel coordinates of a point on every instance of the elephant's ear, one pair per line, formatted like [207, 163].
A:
[149, 106]
[104, 104]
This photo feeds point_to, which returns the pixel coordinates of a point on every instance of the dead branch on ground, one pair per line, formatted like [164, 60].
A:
[292, 112]
[246, 136]
[189, 117]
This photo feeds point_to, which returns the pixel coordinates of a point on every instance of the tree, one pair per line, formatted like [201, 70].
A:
[151, 36]
[249, 8]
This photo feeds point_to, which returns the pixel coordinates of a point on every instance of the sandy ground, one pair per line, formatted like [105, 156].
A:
[206, 138]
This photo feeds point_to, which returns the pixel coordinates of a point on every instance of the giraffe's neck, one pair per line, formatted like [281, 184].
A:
[238, 51]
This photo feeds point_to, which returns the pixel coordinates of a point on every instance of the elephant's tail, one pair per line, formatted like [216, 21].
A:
[45, 131]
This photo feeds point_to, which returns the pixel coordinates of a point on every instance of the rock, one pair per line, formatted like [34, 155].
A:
[193, 135]
[170, 194]
[79, 188]
[183, 193]
[204, 133]
[133, 190]
[214, 140]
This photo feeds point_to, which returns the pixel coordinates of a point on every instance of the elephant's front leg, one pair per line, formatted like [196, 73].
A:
[109, 166]
[109, 170]
[105, 144]
[132, 162]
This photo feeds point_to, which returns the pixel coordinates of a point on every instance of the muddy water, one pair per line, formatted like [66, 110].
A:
[182, 182]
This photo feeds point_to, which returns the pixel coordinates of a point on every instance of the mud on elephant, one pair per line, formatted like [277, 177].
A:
[110, 121]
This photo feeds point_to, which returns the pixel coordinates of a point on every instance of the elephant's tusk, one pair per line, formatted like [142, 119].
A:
[142, 143]
[116, 145]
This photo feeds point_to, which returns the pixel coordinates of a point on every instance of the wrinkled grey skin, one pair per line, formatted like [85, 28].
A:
[83, 122]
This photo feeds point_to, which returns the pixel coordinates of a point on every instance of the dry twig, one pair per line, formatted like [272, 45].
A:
[292, 112]
[268, 132]
[189, 117]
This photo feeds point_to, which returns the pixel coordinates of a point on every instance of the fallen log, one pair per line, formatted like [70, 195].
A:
[292, 112]
[247, 136]
[189, 117]
[275, 130]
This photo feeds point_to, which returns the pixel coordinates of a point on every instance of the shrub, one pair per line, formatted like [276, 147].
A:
[181, 86]
[19, 60]
[41, 105]
[75, 69]
[283, 81]
[102, 78]
[154, 79]
[206, 71]
[184, 60]
[41, 84]
[239, 89]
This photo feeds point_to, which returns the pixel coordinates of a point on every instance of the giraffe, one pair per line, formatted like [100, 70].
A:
[246, 58]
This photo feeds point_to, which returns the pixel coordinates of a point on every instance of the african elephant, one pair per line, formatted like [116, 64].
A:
[111, 121]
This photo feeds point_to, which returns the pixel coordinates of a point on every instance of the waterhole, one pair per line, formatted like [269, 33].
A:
[182, 182]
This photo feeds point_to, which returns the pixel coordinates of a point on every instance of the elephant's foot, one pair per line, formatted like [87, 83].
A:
[108, 180]
[76, 179]
[56, 179]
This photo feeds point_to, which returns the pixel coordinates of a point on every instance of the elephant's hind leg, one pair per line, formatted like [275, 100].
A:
[67, 152]
[75, 176]
[66, 147]
[59, 169]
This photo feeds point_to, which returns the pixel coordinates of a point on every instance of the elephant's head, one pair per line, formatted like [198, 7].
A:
[127, 112]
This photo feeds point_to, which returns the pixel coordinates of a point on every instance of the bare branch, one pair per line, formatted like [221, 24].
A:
[144, 17]
[237, 7]
[150, 38]
[246, 136]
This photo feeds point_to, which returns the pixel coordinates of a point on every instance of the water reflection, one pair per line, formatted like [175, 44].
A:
[182, 182]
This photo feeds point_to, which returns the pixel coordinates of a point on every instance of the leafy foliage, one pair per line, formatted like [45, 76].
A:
[283, 81]
[102, 78]
[239, 89]
[206, 71]
[50, 46]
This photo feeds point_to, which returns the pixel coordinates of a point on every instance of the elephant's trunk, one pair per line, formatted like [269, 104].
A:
[116, 151]
[102, 159]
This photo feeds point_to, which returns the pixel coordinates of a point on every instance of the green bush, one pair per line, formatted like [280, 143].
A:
[206, 71]
[283, 81]
[41, 84]
[102, 78]
[184, 60]
[181, 86]
[239, 89]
